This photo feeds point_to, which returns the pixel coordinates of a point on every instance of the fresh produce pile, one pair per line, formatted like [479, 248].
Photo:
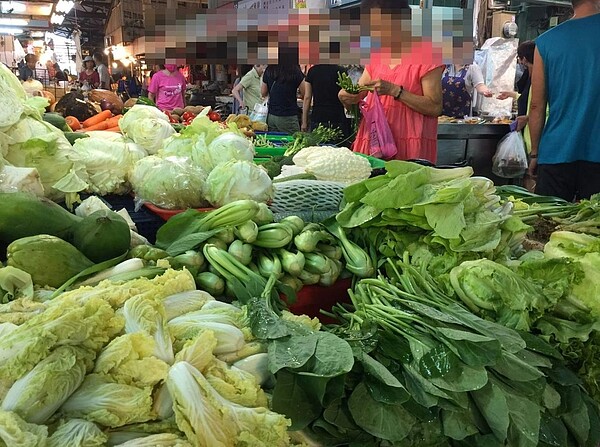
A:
[455, 331]
[140, 362]
[240, 242]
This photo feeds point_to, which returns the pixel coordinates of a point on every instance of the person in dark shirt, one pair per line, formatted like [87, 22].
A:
[27, 71]
[322, 90]
[281, 83]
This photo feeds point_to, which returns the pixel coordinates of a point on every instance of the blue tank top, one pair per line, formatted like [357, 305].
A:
[572, 69]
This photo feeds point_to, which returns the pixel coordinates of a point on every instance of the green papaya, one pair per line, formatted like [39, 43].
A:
[23, 214]
[102, 235]
[48, 259]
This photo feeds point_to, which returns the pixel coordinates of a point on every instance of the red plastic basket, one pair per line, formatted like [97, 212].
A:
[165, 214]
[311, 299]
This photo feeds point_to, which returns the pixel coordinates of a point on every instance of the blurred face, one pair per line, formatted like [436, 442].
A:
[389, 32]
[260, 69]
[31, 63]
[171, 68]
[89, 65]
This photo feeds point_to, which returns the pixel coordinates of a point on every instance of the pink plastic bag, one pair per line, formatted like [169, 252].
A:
[381, 139]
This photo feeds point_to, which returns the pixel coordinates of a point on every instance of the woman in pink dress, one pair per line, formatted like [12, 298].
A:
[408, 84]
[167, 88]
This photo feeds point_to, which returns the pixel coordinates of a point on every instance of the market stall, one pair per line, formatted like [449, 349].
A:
[295, 293]
[474, 144]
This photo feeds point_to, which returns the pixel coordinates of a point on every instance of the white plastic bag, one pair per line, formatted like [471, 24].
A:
[260, 112]
[510, 160]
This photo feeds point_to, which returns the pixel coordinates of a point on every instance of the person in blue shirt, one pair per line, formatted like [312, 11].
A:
[565, 149]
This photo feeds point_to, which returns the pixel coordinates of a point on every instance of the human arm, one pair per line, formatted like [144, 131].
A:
[506, 95]
[264, 89]
[537, 108]
[429, 104]
[236, 92]
[349, 99]
[484, 90]
[478, 81]
[306, 106]
[153, 88]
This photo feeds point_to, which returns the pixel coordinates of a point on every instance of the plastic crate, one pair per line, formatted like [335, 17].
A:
[262, 154]
[312, 299]
[165, 214]
[147, 223]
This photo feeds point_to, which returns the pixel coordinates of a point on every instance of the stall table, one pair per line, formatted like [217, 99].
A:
[474, 144]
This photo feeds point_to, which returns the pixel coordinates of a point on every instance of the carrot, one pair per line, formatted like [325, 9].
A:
[114, 129]
[114, 121]
[100, 126]
[73, 122]
[102, 116]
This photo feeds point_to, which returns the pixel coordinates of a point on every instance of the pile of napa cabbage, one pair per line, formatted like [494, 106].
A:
[142, 362]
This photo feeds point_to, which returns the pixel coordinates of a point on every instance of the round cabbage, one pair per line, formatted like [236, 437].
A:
[238, 180]
[229, 146]
[170, 183]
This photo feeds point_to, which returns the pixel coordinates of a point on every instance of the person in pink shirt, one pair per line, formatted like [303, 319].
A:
[167, 88]
[409, 87]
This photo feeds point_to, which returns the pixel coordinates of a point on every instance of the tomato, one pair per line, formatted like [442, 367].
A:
[188, 116]
[214, 116]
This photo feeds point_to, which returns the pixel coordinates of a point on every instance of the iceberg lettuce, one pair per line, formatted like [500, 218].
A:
[146, 126]
[238, 180]
[171, 183]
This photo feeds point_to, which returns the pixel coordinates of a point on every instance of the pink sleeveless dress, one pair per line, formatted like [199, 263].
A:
[415, 134]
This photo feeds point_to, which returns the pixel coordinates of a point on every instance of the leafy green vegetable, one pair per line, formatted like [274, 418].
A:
[77, 432]
[171, 183]
[38, 394]
[15, 432]
[146, 126]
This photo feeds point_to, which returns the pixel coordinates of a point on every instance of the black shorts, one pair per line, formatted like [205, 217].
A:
[570, 181]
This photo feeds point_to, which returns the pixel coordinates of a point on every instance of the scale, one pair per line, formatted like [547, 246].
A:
[510, 30]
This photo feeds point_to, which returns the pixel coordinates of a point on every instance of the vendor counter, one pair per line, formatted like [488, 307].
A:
[474, 144]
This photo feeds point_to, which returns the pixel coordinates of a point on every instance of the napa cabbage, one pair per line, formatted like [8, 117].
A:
[207, 418]
[79, 433]
[15, 432]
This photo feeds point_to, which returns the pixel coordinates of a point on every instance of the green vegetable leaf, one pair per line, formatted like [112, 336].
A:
[438, 362]
[553, 431]
[491, 402]
[458, 424]
[390, 422]
[290, 399]
[189, 242]
[332, 357]
[473, 349]
[291, 351]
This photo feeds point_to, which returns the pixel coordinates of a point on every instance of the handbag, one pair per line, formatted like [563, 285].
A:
[381, 139]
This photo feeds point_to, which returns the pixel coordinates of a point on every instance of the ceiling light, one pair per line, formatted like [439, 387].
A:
[15, 7]
[5, 30]
[13, 22]
[57, 19]
[64, 6]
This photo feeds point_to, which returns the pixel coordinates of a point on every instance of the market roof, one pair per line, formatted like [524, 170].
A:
[25, 18]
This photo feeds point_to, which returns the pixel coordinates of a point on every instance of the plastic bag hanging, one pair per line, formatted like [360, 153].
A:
[510, 160]
[260, 112]
[381, 139]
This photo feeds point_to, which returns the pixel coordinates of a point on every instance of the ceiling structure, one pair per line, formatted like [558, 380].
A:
[25, 18]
